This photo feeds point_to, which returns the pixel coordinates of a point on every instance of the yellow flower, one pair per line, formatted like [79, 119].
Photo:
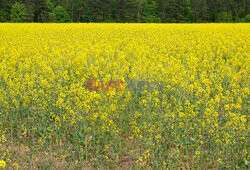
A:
[113, 107]
[227, 107]
[2, 163]
[219, 161]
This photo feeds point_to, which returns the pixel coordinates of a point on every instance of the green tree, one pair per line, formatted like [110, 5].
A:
[52, 17]
[187, 11]
[195, 10]
[204, 11]
[247, 6]
[40, 10]
[150, 12]
[83, 11]
[125, 10]
[174, 11]
[139, 10]
[224, 17]
[247, 18]
[5, 7]
[3, 16]
[50, 5]
[18, 13]
[162, 9]
[101, 10]
[213, 9]
[30, 6]
[61, 15]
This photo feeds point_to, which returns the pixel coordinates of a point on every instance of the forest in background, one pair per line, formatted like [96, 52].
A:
[125, 11]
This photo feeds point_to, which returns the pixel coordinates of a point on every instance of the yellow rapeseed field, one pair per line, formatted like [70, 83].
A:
[124, 96]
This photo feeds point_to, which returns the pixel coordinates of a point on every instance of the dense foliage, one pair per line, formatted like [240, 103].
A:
[144, 11]
[197, 117]
[18, 13]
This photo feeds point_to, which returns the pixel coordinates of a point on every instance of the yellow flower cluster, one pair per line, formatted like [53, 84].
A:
[200, 110]
[2, 163]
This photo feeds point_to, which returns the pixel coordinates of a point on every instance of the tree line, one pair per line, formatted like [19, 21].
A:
[125, 11]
